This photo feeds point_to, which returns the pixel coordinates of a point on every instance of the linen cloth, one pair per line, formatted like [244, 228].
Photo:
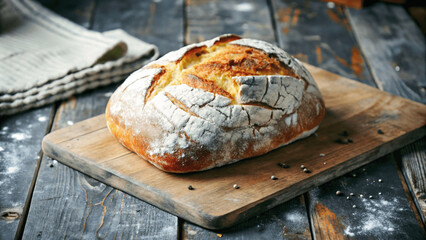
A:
[46, 58]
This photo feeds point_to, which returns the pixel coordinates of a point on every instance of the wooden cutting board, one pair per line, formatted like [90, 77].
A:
[356, 108]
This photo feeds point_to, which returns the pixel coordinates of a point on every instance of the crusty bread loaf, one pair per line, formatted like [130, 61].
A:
[214, 103]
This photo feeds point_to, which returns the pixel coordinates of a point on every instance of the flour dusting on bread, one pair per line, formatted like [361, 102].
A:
[214, 103]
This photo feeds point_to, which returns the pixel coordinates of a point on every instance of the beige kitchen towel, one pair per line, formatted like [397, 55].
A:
[45, 58]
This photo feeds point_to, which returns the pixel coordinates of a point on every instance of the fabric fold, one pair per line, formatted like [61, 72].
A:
[46, 58]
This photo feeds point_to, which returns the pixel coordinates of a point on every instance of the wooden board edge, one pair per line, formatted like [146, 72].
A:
[121, 182]
[307, 185]
[226, 220]
[51, 137]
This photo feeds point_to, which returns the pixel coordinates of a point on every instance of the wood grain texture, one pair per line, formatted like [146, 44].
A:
[321, 36]
[413, 159]
[209, 19]
[250, 19]
[394, 70]
[394, 48]
[351, 106]
[286, 221]
[28, 128]
[378, 217]
[164, 42]
[156, 22]
[349, 3]
[20, 141]
[331, 25]
[67, 203]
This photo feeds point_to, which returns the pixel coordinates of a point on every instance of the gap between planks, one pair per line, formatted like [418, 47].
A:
[408, 190]
[21, 226]
[401, 168]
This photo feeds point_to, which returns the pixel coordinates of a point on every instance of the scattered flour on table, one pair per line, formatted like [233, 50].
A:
[348, 232]
[167, 231]
[11, 170]
[295, 217]
[294, 221]
[377, 216]
[9, 158]
[244, 7]
[19, 136]
[9, 164]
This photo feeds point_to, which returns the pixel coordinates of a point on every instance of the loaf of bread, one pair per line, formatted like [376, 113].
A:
[215, 103]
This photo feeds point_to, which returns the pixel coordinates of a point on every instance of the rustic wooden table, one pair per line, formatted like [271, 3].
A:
[379, 45]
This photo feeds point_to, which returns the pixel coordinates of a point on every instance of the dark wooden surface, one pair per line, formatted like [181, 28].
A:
[20, 139]
[379, 217]
[394, 47]
[83, 207]
[89, 147]
[366, 45]
[321, 36]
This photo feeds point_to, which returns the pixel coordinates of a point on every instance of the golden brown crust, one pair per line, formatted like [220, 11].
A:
[195, 81]
[183, 121]
[138, 144]
[235, 60]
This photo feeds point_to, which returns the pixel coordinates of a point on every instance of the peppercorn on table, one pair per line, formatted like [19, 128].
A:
[379, 45]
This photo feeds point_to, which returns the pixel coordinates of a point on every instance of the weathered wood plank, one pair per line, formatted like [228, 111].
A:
[67, 203]
[20, 141]
[394, 48]
[321, 36]
[156, 22]
[396, 56]
[413, 159]
[350, 3]
[286, 221]
[385, 215]
[351, 105]
[332, 26]
[251, 19]
[406, 188]
[208, 19]
[21, 156]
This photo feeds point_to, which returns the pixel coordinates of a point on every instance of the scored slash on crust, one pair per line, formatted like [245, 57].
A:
[214, 103]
